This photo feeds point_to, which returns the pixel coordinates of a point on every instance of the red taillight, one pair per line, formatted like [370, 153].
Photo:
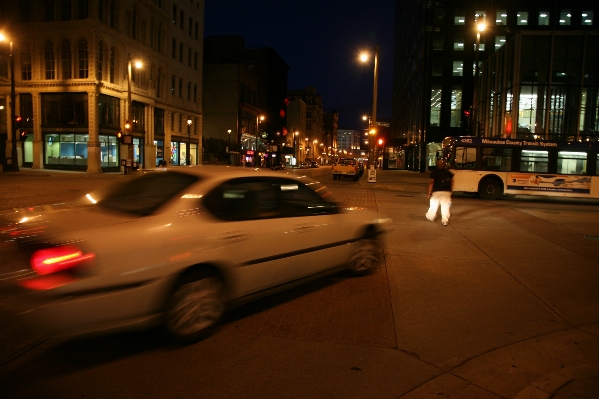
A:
[53, 260]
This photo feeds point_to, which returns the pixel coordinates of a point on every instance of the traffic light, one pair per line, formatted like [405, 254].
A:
[119, 137]
[380, 141]
[23, 135]
[18, 120]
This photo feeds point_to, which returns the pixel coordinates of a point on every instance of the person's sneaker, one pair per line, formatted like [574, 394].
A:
[445, 223]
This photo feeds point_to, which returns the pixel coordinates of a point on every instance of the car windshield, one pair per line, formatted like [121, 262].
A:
[147, 193]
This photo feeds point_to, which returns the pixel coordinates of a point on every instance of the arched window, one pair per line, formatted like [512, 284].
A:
[49, 61]
[25, 62]
[113, 64]
[102, 54]
[82, 60]
[66, 60]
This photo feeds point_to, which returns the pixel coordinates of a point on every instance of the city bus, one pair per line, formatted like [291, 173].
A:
[491, 167]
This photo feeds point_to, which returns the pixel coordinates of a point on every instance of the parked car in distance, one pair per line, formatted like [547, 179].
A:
[345, 167]
[177, 247]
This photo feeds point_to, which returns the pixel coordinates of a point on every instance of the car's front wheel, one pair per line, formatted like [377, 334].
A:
[366, 255]
[195, 307]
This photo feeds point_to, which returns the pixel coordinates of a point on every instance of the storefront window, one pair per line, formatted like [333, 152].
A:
[138, 150]
[109, 152]
[159, 151]
[174, 153]
[66, 149]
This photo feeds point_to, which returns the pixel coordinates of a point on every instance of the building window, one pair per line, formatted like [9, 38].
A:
[522, 18]
[65, 10]
[49, 60]
[197, 28]
[26, 65]
[174, 14]
[459, 18]
[112, 14]
[587, 18]
[189, 57]
[458, 68]
[543, 18]
[66, 59]
[172, 121]
[437, 42]
[195, 93]
[173, 82]
[159, 83]
[61, 109]
[501, 17]
[181, 19]
[499, 41]
[108, 111]
[480, 16]
[180, 52]
[439, 17]
[112, 62]
[66, 150]
[100, 64]
[456, 107]
[458, 43]
[83, 9]
[195, 60]
[174, 51]
[82, 59]
[188, 91]
[435, 119]
[101, 10]
[564, 17]
[180, 87]
[49, 10]
[437, 67]
[190, 26]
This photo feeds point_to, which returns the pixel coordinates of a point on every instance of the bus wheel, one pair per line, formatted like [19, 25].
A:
[489, 189]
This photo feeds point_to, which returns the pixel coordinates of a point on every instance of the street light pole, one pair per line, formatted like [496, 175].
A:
[14, 167]
[374, 97]
[229, 149]
[188, 158]
[295, 146]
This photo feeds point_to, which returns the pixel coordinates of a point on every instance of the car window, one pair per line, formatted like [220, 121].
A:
[265, 197]
[144, 195]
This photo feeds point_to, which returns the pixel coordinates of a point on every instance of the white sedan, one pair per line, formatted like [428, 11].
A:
[180, 246]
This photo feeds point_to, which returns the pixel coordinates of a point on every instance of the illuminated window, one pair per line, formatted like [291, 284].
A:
[435, 119]
[564, 17]
[501, 17]
[460, 18]
[522, 18]
[499, 41]
[587, 18]
[458, 68]
[458, 43]
[543, 18]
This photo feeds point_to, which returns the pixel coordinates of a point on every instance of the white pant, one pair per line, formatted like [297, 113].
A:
[442, 198]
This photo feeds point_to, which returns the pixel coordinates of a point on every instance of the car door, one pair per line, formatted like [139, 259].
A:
[270, 238]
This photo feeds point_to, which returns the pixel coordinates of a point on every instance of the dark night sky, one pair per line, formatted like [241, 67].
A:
[320, 41]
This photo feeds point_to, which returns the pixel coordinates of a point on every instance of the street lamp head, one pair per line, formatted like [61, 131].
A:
[189, 122]
[364, 57]
[3, 38]
[481, 26]
[229, 131]
[365, 118]
[138, 64]
[261, 118]
[296, 133]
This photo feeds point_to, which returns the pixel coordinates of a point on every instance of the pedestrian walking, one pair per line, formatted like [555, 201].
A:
[440, 187]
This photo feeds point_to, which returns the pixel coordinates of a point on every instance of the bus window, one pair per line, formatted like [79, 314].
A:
[465, 158]
[497, 159]
[571, 163]
[534, 161]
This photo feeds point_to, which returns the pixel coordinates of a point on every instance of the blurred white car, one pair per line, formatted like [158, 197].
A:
[179, 247]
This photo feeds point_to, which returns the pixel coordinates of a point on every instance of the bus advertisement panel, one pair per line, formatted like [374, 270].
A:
[528, 182]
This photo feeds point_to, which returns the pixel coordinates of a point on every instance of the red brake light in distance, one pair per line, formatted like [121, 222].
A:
[53, 260]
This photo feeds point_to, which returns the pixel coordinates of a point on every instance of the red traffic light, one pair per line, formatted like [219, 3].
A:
[380, 141]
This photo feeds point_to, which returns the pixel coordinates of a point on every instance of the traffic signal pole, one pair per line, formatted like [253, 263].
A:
[14, 167]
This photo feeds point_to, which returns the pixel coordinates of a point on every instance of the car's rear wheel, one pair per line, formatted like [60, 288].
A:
[195, 307]
[366, 255]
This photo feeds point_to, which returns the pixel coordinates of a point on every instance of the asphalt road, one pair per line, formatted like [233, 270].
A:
[502, 303]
